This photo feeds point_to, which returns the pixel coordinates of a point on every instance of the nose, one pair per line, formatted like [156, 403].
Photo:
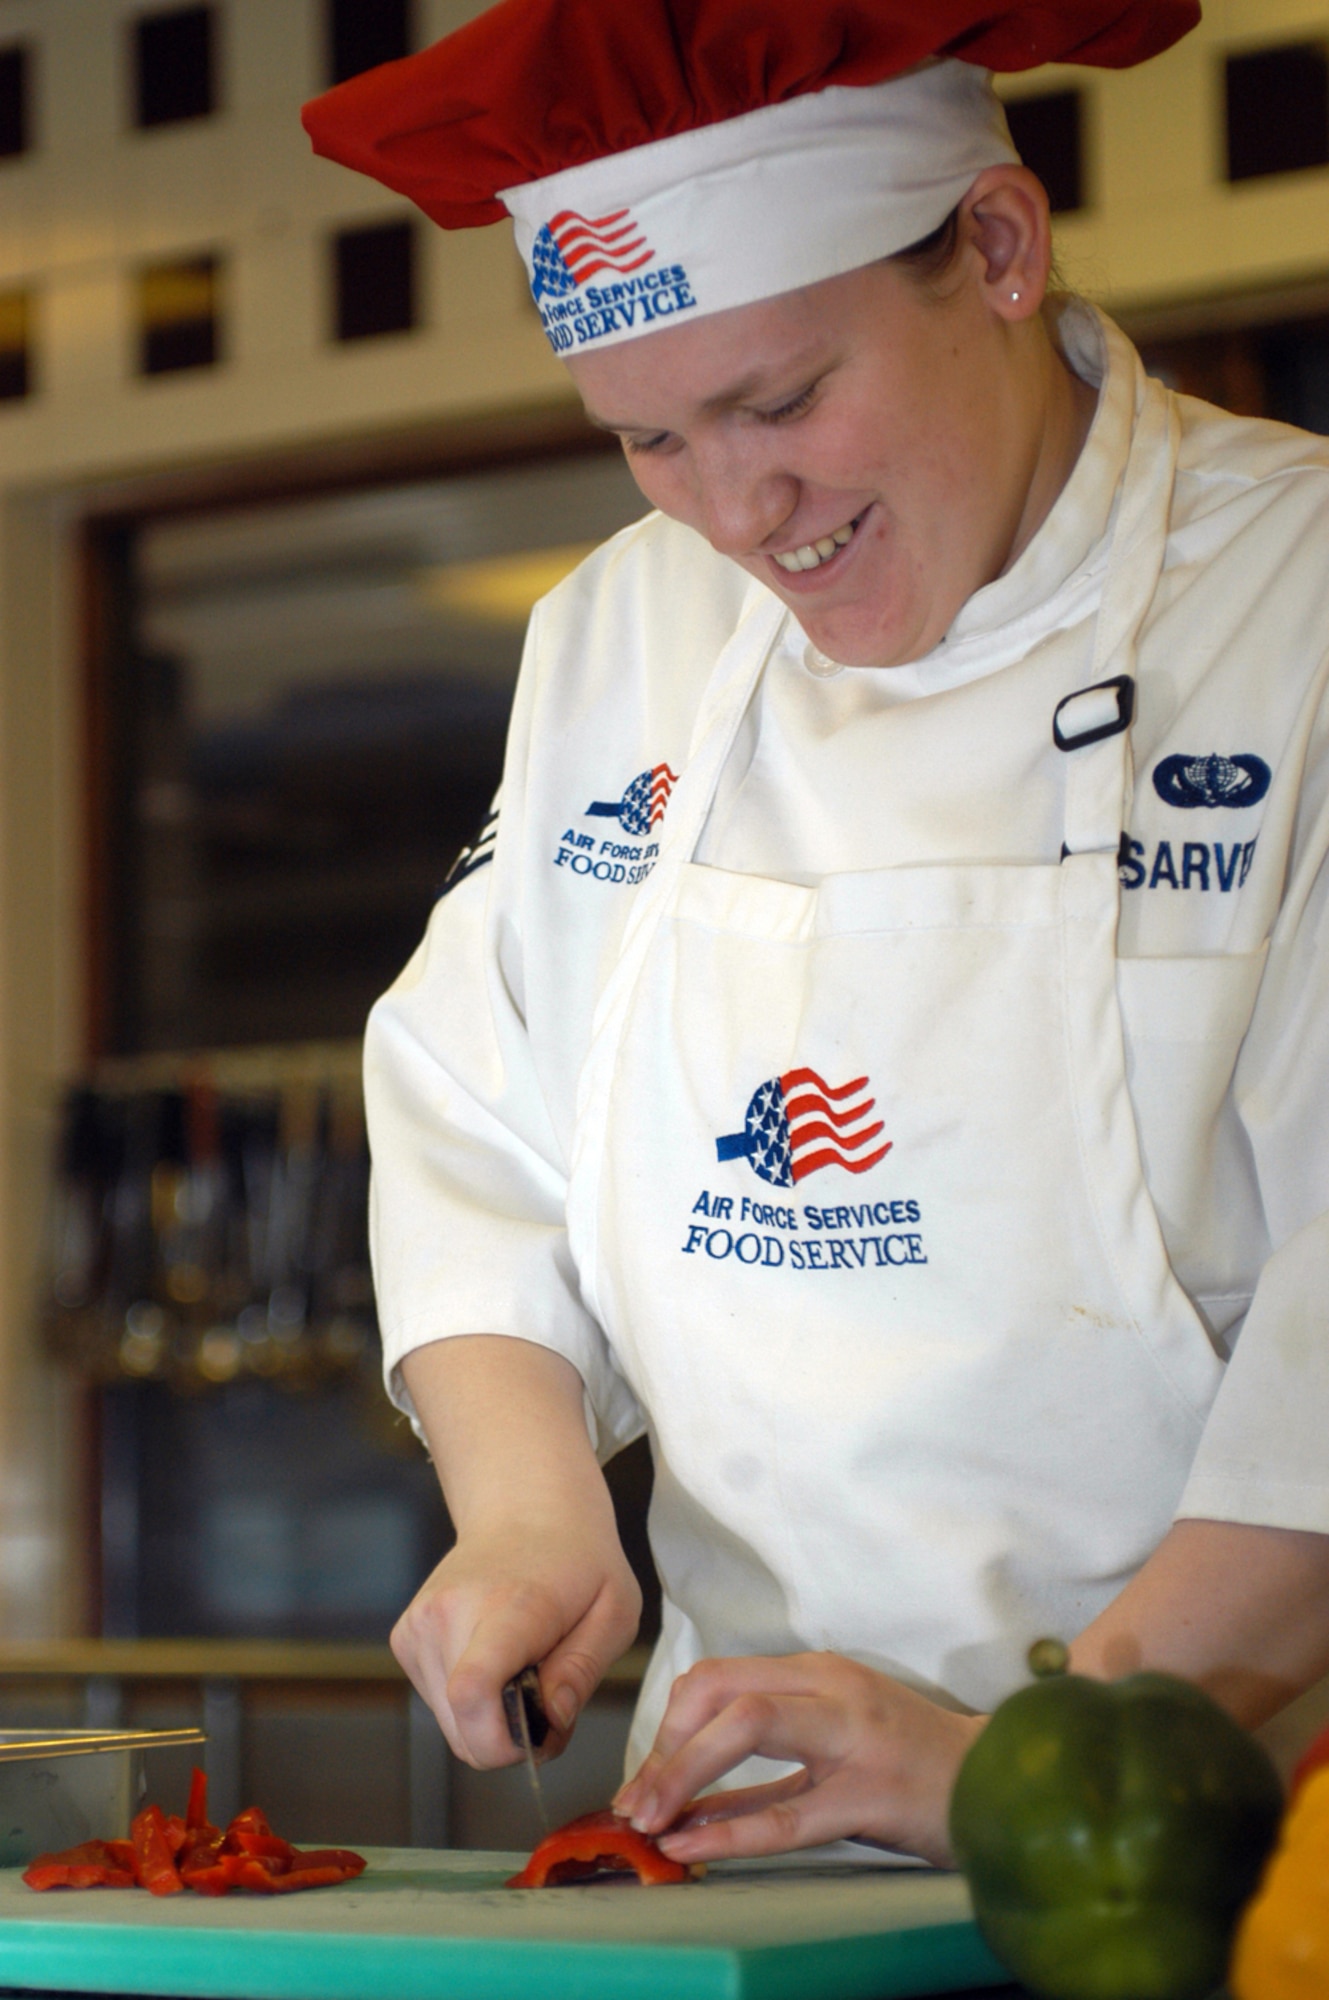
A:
[742, 501]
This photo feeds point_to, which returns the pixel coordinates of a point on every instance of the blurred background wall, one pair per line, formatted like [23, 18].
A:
[281, 471]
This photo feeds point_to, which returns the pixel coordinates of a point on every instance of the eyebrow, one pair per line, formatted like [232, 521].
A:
[748, 386]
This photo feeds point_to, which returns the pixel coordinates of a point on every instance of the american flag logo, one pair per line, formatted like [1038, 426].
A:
[798, 1123]
[642, 805]
[572, 249]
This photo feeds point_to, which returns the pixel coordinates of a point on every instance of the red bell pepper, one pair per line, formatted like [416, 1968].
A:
[209, 1878]
[154, 1862]
[318, 1871]
[273, 1853]
[196, 1812]
[249, 1825]
[319, 1868]
[166, 1855]
[202, 1843]
[94, 1864]
[597, 1844]
[309, 1878]
[199, 1851]
[305, 1858]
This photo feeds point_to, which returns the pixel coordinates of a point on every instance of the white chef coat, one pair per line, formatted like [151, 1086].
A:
[474, 1058]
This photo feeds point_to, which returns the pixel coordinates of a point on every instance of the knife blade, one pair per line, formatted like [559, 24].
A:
[528, 1726]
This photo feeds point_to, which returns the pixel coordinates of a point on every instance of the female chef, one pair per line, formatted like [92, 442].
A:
[883, 1053]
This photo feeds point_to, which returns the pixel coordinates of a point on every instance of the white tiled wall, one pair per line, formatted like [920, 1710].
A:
[96, 198]
[1162, 223]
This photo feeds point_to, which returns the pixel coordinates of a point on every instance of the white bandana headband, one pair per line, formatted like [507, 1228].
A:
[765, 203]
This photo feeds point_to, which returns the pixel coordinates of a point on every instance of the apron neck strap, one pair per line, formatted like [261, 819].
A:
[1101, 777]
[721, 710]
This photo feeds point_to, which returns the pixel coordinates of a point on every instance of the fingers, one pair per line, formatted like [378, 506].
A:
[694, 1700]
[723, 1711]
[700, 1694]
[877, 1759]
[428, 1677]
[471, 1628]
[423, 1656]
[512, 1632]
[459, 1644]
[811, 1817]
[575, 1666]
[796, 1728]
[718, 1806]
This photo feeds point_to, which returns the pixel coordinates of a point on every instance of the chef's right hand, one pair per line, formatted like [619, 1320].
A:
[562, 1595]
[538, 1576]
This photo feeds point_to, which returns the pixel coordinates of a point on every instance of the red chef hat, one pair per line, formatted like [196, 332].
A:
[688, 155]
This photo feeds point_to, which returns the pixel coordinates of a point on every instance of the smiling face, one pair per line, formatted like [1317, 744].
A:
[871, 448]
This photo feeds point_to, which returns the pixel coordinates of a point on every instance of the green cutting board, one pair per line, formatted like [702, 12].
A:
[441, 1926]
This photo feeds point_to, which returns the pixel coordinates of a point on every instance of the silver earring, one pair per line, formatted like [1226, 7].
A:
[1015, 298]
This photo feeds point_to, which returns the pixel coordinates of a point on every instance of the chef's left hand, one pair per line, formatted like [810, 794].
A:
[878, 1759]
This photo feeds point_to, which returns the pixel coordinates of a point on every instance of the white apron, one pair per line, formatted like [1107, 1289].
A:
[857, 1197]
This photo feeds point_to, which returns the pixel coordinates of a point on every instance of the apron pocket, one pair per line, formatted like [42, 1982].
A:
[748, 905]
[1183, 1022]
[1190, 999]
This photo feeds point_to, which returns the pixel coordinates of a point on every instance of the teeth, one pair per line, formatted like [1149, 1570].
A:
[813, 554]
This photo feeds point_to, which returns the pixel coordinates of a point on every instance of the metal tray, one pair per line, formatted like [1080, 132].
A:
[61, 1786]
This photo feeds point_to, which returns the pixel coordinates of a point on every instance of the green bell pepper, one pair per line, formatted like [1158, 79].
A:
[1110, 1833]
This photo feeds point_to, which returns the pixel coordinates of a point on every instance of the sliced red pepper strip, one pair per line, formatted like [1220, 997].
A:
[94, 1864]
[311, 1878]
[251, 1873]
[243, 1871]
[153, 1859]
[599, 1843]
[202, 1851]
[270, 1864]
[167, 1855]
[49, 1874]
[196, 1812]
[345, 1858]
[203, 1840]
[251, 1824]
[264, 1846]
[216, 1878]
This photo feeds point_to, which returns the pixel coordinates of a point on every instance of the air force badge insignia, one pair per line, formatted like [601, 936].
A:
[1214, 780]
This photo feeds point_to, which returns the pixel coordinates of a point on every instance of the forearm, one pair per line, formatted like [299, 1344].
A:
[537, 1573]
[506, 1430]
[1243, 1611]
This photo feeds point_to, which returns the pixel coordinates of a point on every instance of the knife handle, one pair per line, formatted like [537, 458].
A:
[522, 1696]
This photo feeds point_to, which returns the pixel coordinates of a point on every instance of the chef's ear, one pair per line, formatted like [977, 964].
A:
[1005, 218]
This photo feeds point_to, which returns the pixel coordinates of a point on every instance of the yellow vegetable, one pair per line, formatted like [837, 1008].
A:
[1282, 1948]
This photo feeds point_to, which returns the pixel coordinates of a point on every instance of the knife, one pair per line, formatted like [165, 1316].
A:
[528, 1726]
